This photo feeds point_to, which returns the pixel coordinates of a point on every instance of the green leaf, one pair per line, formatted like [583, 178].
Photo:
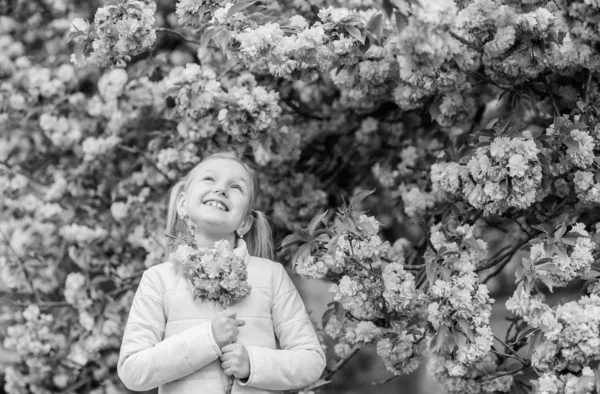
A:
[401, 21]
[388, 8]
[543, 228]
[465, 327]
[359, 196]
[460, 339]
[375, 23]
[560, 231]
[439, 339]
[356, 33]
[291, 240]
[240, 6]
[327, 316]
[315, 222]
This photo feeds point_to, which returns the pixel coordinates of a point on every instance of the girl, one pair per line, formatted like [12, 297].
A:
[266, 341]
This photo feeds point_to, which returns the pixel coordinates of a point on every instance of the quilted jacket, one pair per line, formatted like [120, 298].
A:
[168, 341]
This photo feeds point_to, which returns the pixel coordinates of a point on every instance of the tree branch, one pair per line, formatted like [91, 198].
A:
[178, 34]
[549, 92]
[384, 381]
[23, 268]
[465, 41]
[148, 160]
[426, 233]
[341, 363]
[514, 352]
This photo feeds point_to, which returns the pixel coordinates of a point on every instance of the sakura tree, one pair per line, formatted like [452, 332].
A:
[476, 123]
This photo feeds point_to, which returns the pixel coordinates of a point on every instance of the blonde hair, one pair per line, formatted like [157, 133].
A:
[258, 238]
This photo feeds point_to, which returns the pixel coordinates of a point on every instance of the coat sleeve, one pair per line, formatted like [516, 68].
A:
[301, 360]
[146, 360]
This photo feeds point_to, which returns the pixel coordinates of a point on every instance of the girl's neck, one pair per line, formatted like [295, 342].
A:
[208, 240]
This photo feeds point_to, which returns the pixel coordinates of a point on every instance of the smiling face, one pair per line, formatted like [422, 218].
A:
[217, 198]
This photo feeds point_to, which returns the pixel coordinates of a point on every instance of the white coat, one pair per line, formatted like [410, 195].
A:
[168, 340]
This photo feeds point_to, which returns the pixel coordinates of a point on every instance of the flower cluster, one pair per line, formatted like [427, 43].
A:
[549, 383]
[506, 173]
[218, 275]
[569, 333]
[243, 110]
[459, 308]
[121, 30]
[563, 258]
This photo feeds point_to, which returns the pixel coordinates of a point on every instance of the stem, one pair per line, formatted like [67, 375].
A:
[384, 381]
[77, 385]
[22, 265]
[504, 373]
[341, 363]
[465, 41]
[137, 151]
[426, 233]
[515, 355]
[227, 71]
[178, 34]
[524, 362]
[549, 91]
[501, 258]
[588, 86]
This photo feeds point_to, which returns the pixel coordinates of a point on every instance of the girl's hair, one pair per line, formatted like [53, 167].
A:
[258, 238]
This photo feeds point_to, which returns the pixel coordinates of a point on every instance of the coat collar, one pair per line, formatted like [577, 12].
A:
[241, 250]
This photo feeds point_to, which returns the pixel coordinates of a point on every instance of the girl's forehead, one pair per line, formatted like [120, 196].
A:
[223, 166]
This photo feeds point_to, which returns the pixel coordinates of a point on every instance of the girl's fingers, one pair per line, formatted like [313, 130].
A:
[226, 364]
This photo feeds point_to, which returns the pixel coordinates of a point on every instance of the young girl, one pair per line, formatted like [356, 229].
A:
[266, 341]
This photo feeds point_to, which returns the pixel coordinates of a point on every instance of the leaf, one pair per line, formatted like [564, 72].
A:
[525, 334]
[375, 23]
[240, 6]
[326, 316]
[560, 231]
[356, 33]
[315, 222]
[401, 21]
[431, 272]
[547, 281]
[439, 339]
[434, 108]
[388, 8]
[324, 237]
[572, 144]
[543, 228]
[465, 327]
[302, 254]
[460, 339]
[208, 35]
[359, 196]
[291, 240]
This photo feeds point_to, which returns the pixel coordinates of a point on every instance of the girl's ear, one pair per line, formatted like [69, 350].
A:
[180, 204]
[245, 226]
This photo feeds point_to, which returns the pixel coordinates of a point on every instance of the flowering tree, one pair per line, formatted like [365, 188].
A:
[470, 118]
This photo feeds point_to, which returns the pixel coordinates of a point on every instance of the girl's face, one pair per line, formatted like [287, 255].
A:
[218, 197]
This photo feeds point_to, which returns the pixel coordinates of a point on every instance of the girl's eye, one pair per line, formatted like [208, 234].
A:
[208, 178]
[236, 187]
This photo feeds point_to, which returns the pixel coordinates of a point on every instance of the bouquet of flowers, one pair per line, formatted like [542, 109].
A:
[217, 275]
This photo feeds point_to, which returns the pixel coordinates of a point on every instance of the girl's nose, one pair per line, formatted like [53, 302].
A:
[220, 189]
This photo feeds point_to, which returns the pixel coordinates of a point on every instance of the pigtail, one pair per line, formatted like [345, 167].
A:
[174, 223]
[259, 238]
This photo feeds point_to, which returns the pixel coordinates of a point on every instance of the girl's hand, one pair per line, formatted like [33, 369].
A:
[225, 328]
[235, 360]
